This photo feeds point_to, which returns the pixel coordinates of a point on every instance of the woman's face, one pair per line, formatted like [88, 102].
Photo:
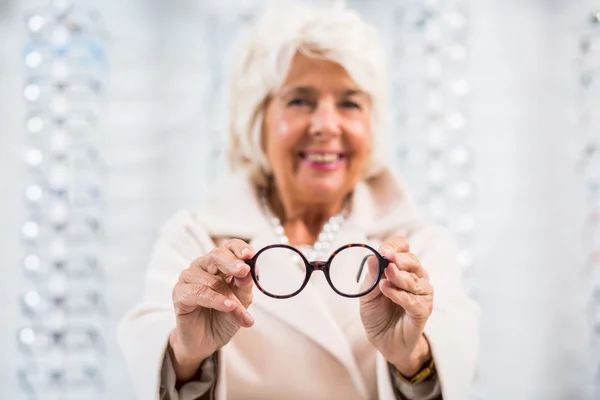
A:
[316, 132]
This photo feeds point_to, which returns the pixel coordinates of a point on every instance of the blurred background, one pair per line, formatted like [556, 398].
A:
[113, 117]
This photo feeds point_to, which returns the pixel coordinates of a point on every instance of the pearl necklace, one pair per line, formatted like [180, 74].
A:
[328, 234]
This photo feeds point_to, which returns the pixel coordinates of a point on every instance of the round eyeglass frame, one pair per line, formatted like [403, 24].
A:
[323, 266]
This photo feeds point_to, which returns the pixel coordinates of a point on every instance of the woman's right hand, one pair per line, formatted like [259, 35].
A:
[211, 300]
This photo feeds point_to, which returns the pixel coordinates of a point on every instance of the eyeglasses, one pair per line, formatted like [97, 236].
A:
[82, 302]
[75, 341]
[75, 380]
[281, 271]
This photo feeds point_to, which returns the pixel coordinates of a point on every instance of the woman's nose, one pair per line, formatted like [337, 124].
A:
[325, 120]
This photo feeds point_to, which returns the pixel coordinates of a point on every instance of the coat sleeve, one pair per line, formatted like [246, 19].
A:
[391, 387]
[453, 327]
[144, 331]
[428, 389]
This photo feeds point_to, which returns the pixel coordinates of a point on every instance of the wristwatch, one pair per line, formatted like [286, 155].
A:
[423, 373]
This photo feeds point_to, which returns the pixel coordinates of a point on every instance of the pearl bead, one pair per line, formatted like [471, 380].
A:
[326, 237]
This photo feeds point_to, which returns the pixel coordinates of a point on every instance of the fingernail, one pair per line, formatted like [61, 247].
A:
[418, 288]
[228, 303]
[247, 318]
[245, 251]
[239, 266]
[386, 251]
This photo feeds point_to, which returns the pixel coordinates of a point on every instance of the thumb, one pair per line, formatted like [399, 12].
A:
[242, 289]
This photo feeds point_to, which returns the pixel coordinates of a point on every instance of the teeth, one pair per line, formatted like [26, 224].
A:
[322, 158]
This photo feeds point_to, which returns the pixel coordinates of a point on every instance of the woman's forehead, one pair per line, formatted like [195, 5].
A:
[307, 75]
[303, 66]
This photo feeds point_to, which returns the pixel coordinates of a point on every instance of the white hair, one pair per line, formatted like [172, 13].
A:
[261, 65]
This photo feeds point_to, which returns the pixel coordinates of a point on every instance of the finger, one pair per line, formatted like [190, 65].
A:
[241, 249]
[188, 296]
[221, 261]
[373, 267]
[242, 289]
[228, 286]
[197, 276]
[395, 244]
[407, 262]
[408, 281]
[417, 311]
[372, 273]
[369, 268]
[416, 307]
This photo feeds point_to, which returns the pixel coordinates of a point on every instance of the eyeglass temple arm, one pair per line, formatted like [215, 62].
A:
[252, 264]
[362, 265]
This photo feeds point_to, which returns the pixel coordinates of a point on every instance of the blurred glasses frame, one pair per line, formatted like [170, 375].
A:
[38, 340]
[323, 266]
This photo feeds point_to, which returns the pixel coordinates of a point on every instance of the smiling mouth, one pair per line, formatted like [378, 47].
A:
[322, 158]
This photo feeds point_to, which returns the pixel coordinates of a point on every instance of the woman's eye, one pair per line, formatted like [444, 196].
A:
[351, 104]
[298, 102]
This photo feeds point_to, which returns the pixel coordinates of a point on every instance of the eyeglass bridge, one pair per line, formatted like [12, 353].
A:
[318, 265]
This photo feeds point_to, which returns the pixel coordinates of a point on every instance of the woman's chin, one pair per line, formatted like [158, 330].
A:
[323, 190]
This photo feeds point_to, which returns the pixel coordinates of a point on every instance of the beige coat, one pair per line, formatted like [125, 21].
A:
[313, 345]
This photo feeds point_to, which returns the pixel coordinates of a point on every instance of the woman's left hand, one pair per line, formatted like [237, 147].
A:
[394, 314]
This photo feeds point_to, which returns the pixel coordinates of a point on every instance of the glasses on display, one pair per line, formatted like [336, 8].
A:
[82, 302]
[75, 228]
[588, 96]
[78, 265]
[281, 271]
[76, 341]
[63, 236]
[74, 381]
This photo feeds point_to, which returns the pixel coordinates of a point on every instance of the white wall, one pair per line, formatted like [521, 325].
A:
[530, 198]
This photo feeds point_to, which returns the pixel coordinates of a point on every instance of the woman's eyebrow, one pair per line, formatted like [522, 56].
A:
[300, 90]
[354, 92]
[311, 91]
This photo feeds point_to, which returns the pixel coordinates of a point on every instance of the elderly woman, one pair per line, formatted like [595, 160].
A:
[274, 289]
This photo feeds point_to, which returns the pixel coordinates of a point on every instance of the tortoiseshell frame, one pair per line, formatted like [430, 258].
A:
[318, 266]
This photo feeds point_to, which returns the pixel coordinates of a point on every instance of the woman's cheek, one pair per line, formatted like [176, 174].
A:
[358, 128]
[361, 144]
[284, 128]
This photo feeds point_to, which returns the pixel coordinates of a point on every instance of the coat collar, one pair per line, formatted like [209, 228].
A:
[380, 206]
